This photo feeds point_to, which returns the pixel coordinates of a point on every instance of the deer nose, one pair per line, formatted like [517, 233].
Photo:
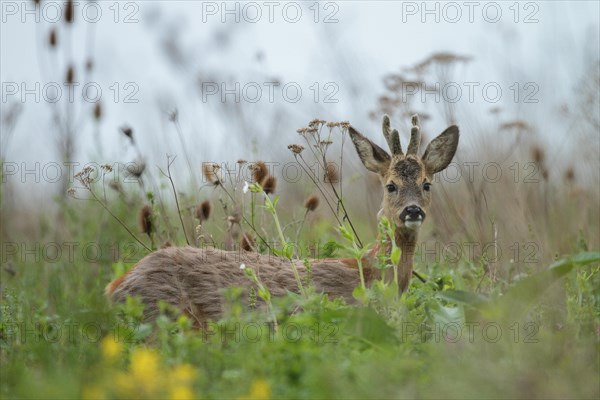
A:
[412, 213]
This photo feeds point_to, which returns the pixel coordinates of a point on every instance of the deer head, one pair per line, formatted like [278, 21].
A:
[406, 180]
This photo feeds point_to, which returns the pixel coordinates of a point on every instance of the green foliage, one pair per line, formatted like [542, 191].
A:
[59, 338]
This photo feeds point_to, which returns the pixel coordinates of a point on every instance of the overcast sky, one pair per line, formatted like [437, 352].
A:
[335, 53]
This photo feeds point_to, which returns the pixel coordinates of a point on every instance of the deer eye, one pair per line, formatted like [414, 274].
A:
[427, 186]
[390, 188]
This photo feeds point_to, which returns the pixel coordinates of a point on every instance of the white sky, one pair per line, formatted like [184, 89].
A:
[368, 41]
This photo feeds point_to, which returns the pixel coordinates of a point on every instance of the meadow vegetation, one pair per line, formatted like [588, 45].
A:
[481, 325]
[506, 304]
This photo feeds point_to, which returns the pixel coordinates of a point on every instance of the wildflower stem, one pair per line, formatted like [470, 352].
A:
[117, 219]
[271, 207]
[168, 175]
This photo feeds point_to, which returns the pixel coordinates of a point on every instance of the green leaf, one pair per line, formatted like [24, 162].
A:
[346, 234]
[445, 315]
[370, 327]
[462, 297]
[395, 255]
[361, 294]
[275, 200]
[518, 299]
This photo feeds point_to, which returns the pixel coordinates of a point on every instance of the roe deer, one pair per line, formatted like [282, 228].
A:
[192, 279]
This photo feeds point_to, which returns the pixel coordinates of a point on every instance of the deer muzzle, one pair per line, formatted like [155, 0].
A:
[412, 216]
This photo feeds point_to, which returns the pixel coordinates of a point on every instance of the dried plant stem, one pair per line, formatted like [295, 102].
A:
[184, 148]
[271, 207]
[249, 223]
[338, 198]
[117, 219]
[168, 175]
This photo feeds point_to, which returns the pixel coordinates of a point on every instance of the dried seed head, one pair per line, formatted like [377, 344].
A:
[296, 148]
[146, 220]
[136, 169]
[166, 244]
[269, 184]
[517, 125]
[259, 171]
[203, 211]
[116, 186]
[331, 173]
[98, 111]
[71, 191]
[69, 12]
[570, 175]
[316, 123]
[345, 124]
[52, 38]
[312, 203]
[247, 242]
[70, 78]
[332, 124]
[537, 154]
[241, 161]
[127, 131]
[209, 170]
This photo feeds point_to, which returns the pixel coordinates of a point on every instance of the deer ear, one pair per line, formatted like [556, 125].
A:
[440, 151]
[373, 157]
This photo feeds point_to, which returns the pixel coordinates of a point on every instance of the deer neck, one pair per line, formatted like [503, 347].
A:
[406, 240]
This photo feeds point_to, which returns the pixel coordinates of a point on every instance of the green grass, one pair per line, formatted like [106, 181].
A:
[535, 338]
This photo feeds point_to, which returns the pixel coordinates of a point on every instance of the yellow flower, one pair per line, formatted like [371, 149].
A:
[145, 369]
[260, 389]
[125, 386]
[183, 374]
[111, 349]
[182, 393]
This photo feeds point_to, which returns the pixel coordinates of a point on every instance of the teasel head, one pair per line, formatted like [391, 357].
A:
[311, 203]
[146, 224]
[570, 175]
[98, 111]
[69, 11]
[70, 78]
[52, 38]
[331, 173]
[269, 184]
[259, 171]
[538, 154]
[202, 212]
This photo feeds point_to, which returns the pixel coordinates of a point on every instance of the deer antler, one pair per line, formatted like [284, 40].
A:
[391, 136]
[415, 136]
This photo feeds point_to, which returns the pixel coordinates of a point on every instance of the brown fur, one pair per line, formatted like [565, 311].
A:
[192, 279]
